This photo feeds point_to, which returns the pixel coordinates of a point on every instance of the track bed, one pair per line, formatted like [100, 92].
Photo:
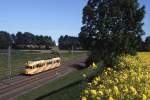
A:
[21, 84]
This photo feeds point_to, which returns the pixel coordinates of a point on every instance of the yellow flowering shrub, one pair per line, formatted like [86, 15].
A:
[133, 82]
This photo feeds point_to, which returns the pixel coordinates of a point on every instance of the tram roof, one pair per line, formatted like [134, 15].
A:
[31, 63]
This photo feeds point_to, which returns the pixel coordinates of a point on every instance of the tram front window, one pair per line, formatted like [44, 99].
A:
[28, 67]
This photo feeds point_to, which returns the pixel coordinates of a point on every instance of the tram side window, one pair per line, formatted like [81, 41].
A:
[49, 62]
[42, 64]
[57, 61]
[54, 61]
[38, 65]
[28, 67]
[32, 67]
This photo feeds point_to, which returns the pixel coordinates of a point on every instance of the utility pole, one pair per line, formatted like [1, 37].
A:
[72, 49]
[9, 61]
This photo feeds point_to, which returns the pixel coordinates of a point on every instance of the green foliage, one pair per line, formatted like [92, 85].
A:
[147, 43]
[69, 42]
[129, 82]
[29, 41]
[5, 39]
[25, 40]
[111, 27]
[128, 62]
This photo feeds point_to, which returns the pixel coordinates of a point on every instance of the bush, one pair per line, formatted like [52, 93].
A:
[127, 62]
[97, 56]
[128, 83]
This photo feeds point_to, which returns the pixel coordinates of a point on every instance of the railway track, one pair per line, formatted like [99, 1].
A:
[22, 78]
[21, 84]
[25, 81]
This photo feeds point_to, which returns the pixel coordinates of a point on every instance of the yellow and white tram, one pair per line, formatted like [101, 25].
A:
[34, 67]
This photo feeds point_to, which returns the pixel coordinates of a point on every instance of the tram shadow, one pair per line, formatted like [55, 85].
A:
[79, 66]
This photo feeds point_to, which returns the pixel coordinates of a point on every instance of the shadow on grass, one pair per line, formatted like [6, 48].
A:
[61, 90]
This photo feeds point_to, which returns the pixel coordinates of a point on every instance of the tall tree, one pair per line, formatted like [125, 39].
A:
[28, 38]
[5, 40]
[69, 42]
[111, 27]
[147, 43]
[19, 38]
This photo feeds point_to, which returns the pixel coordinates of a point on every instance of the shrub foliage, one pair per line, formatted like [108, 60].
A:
[129, 82]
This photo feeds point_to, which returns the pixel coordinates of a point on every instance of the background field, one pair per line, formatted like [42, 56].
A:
[67, 87]
[19, 58]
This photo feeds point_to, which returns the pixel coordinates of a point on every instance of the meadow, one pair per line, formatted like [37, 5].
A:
[129, 79]
[20, 58]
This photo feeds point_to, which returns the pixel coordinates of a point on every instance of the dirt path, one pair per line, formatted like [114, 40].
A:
[22, 84]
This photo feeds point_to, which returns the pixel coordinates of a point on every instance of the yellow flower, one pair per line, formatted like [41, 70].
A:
[144, 97]
[138, 79]
[108, 91]
[125, 76]
[101, 86]
[110, 81]
[116, 90]
[89, 84]
[93, 92]
[108, 69]
[94, 66]
[84, 75]
[133, 90]
[97, 78]
[121, 79]
[105, 73]
[84, 98]
[116, 80]
[86, 91]
[111, 98]
[100, 93]
[125, 90]
[131, 81]
[94, 82]
[98, 98]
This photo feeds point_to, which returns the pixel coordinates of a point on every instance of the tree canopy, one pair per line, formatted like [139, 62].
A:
[111, 27]
[4, 39]
[25, 40]
[147, 43]
[69, 42]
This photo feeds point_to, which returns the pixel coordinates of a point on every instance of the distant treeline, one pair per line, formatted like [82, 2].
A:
[25, 40]
[145, 45]
[69, 42]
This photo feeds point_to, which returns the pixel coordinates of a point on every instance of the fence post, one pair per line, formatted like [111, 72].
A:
[9, 62]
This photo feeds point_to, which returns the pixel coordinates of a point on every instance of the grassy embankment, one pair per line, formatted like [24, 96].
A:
[129, 80]
[70, 88]
[67, 87]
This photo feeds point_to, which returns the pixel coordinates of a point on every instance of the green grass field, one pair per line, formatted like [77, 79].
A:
[67, 87]
[19, 58]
